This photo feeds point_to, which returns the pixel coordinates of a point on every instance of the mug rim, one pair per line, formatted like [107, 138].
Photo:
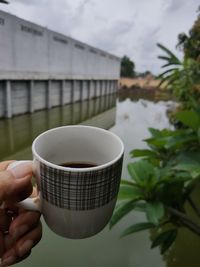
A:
[96, 168]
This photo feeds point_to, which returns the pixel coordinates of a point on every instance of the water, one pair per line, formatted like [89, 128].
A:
[130, 121]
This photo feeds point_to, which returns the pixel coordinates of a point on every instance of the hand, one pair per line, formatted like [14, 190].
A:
[20, 230]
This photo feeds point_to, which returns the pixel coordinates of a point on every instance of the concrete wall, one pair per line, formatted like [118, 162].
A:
[2, 99]
[21, 96]
[29, 51]
[42, 69]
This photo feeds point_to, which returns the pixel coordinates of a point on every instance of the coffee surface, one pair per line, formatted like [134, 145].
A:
[78, 164]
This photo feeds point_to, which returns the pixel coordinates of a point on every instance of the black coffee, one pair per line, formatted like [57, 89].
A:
[78, 164]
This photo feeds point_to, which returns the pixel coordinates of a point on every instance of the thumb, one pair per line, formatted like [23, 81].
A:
[12, 188]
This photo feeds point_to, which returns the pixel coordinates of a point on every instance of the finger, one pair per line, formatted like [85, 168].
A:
[22, 169]
[28, 241]
[3, 221]
[22, 247]
[8, 241]
[6, 217]
[24, 257]
[12, 189]
[1, 244]
[4, 165]
[12, 259]
[24, 223]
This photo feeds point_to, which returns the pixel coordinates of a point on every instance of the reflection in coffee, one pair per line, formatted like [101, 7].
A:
[78, 164]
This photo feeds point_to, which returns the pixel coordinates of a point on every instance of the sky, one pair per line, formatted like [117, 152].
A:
[121, 27]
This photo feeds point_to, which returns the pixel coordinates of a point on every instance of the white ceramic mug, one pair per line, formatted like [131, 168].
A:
[76, 202]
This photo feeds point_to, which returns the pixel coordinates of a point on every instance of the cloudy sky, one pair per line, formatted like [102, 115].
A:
[121, 27]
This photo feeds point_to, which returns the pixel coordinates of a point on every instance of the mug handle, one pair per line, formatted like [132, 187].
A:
[32, 204]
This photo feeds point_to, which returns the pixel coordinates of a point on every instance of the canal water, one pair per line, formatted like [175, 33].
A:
[130, 119]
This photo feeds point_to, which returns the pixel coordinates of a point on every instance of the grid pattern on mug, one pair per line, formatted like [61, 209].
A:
[80, 190]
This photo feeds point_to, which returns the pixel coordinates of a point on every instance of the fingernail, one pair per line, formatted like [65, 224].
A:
[21, 230]
[8, 261]
[21, 170]
[25, 247]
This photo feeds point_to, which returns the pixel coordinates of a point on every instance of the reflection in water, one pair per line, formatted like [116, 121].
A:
[136, 94]
[17, 134]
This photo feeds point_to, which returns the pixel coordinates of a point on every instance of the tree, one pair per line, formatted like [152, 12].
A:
[127, 67]
[144, 74]
[4, 1]
[191, 43]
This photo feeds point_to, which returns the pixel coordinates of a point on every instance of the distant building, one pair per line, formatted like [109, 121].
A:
[28, 50]
[41, 69]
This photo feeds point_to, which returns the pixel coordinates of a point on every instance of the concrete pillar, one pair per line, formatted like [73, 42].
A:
[109, 82]
[62, 99]
[98, 93]
[106, 87]
[113, 86]
[31, 96]
[8, 101]
[116, 86]
[95, 88]
[49, 105]
[84, 90]
[88, 89]
[100, 88]
[81, 90]
[109, 87]
[72, 91]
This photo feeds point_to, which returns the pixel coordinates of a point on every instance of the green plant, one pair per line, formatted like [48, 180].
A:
[165, 175]
[162, 181]
[182, 78]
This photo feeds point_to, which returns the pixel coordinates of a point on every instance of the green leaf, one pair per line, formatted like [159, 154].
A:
[154, 211]
[127, 182]
[192, 167]
[164, 58]
[143, 173]
[189, 118]
[167, 71]
[121, 211]
[140, 206]
[172, 139]
[165, 240]
[127, 191]
[155, 132]
[142, 153]
[198, 134]
[169, 53]
[137, 227]
[189, 162]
